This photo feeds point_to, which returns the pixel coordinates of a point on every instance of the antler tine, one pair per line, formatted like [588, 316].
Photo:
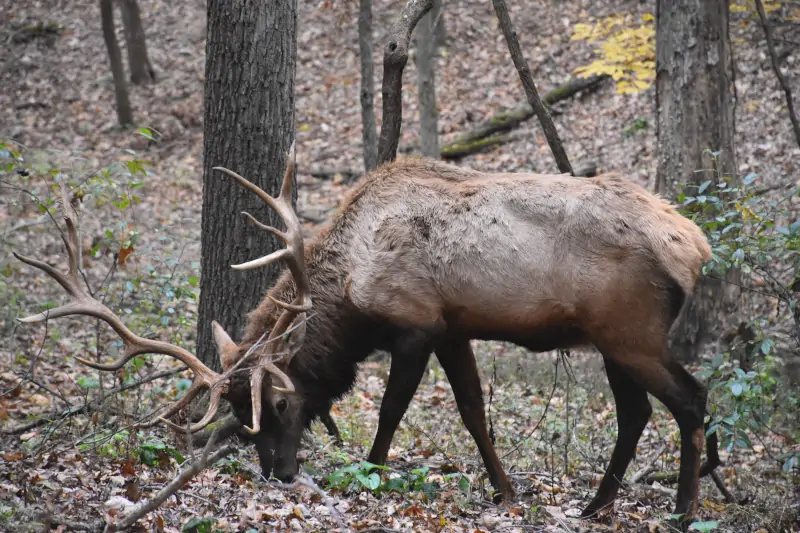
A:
[293, 256]
[83, 303]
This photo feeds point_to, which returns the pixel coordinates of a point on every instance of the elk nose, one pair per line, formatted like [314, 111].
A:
[285, 470]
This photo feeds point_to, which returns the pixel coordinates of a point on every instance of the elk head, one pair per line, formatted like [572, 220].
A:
[259, 359]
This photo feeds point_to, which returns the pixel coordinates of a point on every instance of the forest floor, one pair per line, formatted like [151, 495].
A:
[554, 435]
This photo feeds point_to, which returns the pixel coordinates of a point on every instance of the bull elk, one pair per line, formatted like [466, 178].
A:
[424, 257]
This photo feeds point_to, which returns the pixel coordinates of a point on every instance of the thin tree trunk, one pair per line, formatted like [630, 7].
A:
[124, 111]
[777, 69]
[369, 128]
[439, 30]
[560, 155]
[395, 57]
[138, 61]
[249, 125]
[694, 106]
[426, 67]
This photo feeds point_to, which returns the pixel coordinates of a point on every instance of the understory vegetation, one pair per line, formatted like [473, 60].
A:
[71, 455]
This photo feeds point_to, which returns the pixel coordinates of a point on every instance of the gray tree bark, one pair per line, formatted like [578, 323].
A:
[251, 52]
[695, 97]
[426, 90]
[369, 128]
[138, 61]
[124, 111]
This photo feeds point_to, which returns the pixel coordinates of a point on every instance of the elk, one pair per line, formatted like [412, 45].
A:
[423, 257]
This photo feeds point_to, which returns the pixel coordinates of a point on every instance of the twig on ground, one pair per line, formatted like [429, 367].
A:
[541, 418]
[303, 480]
[649, 466]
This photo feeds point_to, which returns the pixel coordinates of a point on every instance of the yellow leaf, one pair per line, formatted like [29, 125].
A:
[648, 17]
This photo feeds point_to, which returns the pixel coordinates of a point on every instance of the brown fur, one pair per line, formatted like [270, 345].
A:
[423, 256]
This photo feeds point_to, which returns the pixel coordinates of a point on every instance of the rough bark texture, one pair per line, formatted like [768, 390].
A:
[395, 57]
[503, 121]
[695, 98]
[138, 61]
[369, 128]
[124, 111]
[426, 66]
[560, 155]
[249, 125]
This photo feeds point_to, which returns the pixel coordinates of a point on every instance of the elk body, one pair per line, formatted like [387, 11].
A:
[422, 258]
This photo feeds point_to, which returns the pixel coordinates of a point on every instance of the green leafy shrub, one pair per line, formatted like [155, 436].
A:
[758, 237]
[379, 480]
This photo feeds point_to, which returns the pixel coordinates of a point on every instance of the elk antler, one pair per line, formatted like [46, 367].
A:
[293, 255]
[82, 303]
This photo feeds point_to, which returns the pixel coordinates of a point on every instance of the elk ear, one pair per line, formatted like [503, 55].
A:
[227, 349]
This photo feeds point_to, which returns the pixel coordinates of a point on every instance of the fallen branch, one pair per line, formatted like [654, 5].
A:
[776, 68]
[504, 121]
[146, 506]
[395, 57]
[649, 466]
[560, 155]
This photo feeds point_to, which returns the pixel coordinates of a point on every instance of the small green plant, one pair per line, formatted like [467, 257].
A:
[153, 452]
[365, 475]
[199, 525]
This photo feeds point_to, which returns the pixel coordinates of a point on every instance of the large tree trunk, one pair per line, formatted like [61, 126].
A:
[124, 111]
[249, 125]
[369, 128]
[138, 62]
[426, 67]
[695, 98]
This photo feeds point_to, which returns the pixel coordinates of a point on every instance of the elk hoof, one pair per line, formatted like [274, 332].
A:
[595, 511]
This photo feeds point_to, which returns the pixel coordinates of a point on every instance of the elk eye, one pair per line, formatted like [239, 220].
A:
[281, 405]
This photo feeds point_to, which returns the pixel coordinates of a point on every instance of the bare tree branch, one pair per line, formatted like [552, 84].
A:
[501, 9]
[395, 57]
[369, 128]
[778, 74]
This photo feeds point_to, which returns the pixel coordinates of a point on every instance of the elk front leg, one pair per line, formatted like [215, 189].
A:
[330, 425]
[458, 361]
[409, 359]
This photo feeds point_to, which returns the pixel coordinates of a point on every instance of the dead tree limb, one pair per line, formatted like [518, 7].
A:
[395, 57]
[560, 155]
[146, 506]
[778, 74]
[369, 128]
[507, 120]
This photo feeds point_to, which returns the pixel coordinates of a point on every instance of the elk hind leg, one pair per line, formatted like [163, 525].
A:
[633, 413]
[685, 397]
